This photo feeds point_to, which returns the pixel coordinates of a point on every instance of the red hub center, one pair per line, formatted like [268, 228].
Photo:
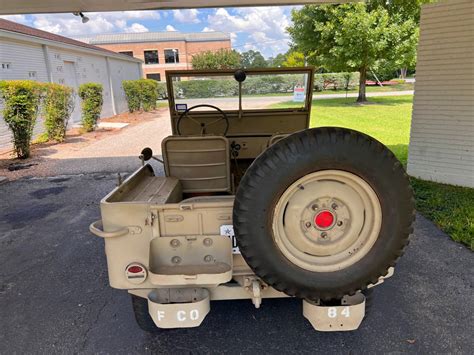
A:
[324, 219]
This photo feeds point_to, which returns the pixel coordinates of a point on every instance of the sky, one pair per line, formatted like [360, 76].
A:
[257, 28]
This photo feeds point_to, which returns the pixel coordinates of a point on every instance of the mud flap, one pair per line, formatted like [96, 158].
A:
[178, 307]
[345, 317]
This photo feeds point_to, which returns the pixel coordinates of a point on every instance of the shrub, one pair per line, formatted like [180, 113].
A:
[148, 94]
[92, 100]
[142, 94]
[132, 94]
[384, 72]
[162, 91]
[21, 100]
[335, 81]
[58, 105]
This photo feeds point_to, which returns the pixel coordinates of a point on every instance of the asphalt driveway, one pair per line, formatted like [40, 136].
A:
[54, 295]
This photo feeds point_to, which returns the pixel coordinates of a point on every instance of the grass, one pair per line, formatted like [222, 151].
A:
[388, 120]
[451, 208]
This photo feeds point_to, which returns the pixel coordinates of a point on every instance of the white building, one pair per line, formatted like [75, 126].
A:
[442, 130]
[30, 54]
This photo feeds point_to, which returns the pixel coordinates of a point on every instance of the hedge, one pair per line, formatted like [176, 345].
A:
[92, 100]
[335, 81]
[141, 94]
[58, 105]
[21, 99]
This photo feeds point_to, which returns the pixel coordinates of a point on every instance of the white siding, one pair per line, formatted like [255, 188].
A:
[122, 71]
[89, 68]
[26, 56]
[442, 131]
[23, 59]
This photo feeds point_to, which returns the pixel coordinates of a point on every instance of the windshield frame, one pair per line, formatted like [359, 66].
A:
[170, 74]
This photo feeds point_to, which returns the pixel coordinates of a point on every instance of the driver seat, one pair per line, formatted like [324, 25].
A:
[201, 163]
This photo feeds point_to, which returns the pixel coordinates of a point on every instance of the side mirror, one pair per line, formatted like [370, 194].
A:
[146, 154]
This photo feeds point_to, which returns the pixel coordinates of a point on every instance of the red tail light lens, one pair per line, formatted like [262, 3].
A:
[135, 269]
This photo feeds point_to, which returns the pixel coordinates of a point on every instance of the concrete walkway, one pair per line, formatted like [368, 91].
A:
[115, 151]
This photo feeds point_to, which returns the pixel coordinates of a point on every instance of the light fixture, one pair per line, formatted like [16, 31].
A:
[84, 18]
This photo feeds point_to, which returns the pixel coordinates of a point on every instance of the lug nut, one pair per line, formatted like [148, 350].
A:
[175, 259]
[308, 224]
[324, 235]
[175, 243]
[314, 207]
[339, 223]
[208, 258]
[207, 242]
[334, 206]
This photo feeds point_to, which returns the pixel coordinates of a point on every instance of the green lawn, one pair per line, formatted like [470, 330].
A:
[388, 120]
[385, 118]
[450, 207]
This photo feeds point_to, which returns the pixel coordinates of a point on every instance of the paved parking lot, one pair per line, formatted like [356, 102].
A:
[54, 295]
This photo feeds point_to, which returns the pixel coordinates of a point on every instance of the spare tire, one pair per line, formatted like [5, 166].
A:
[323, 213]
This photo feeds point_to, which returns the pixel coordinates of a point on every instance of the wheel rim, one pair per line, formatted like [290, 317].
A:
[327, 220]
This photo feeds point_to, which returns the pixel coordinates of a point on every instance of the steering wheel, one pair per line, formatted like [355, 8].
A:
[203, 125]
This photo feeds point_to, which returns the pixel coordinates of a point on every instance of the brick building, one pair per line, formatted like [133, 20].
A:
[161, 51]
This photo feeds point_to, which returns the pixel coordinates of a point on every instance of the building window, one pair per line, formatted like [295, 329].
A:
[129, 53]
[154, 76]
[151, 57]
[6, 66]
[171, 56]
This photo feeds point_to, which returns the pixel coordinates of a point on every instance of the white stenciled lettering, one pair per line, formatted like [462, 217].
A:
[161, 315]
[194, 314]
[181, 316]
[332, 312]
[346, 312]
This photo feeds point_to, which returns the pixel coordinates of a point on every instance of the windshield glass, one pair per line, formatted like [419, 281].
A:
[221, 91]
[260, 90]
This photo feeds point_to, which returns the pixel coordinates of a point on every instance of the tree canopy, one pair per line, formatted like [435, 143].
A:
[294, 59]
[353, 37]
[407, 9]
[276, 61]
[253, 59]
[221, 59]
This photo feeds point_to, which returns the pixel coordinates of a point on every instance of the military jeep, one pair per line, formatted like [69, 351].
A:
[255, 204]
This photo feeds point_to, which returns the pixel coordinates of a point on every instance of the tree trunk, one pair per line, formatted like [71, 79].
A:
[403, 73]
[363, 77]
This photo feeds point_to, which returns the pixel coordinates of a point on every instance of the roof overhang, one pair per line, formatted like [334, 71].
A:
[37, 40]
[9, 7]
